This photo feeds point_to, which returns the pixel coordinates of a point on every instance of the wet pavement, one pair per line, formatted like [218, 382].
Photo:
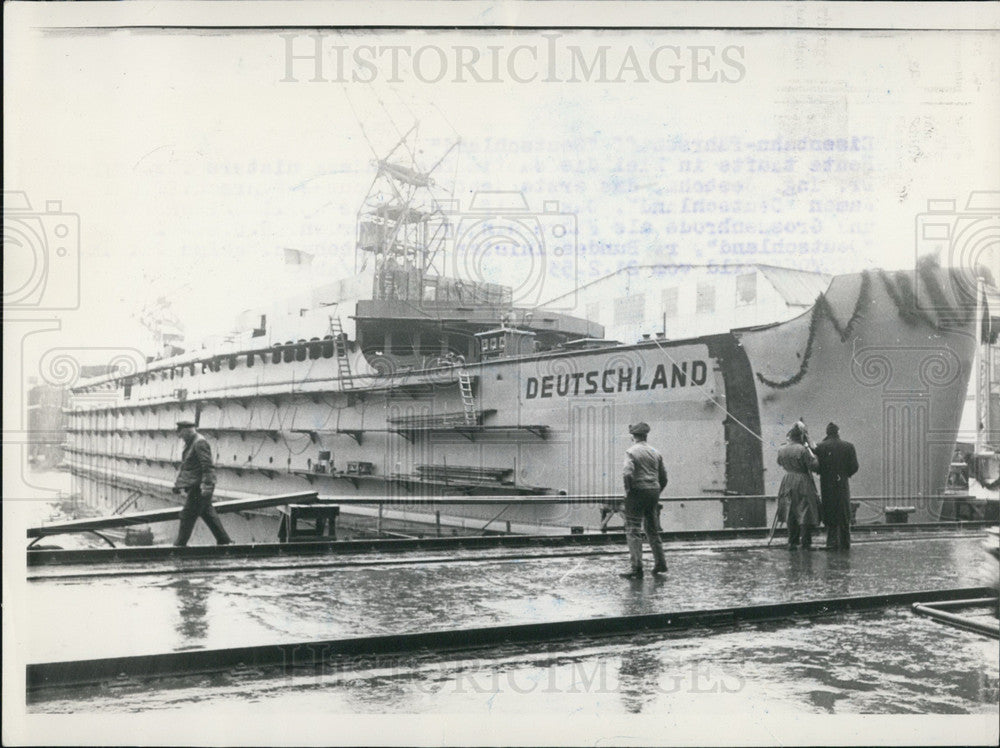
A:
[126, 615]
[890, 662]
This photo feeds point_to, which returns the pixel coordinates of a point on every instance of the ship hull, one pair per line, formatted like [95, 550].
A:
[892, 373]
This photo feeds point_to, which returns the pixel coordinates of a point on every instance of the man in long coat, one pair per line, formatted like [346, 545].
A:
[838, 461]
[797, 499]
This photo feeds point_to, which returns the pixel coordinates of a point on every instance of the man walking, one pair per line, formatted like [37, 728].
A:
[197, 479]
[645, 477]
[837, 463]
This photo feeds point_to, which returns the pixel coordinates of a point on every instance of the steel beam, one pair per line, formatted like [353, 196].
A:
[166, 515]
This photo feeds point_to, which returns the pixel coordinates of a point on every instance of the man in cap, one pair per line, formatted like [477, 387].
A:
[838, 461]
[645, 477]
[197, 478]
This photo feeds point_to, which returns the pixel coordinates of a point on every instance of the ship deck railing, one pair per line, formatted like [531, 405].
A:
[414, 384]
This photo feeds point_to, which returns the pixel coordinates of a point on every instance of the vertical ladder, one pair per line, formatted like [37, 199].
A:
[468, 399]
[340, 351]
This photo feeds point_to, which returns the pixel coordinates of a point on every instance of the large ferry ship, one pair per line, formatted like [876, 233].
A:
[402, 384]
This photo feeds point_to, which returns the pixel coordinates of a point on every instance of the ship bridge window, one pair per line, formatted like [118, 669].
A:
[300, 351]
[276, 356]
[232, 363]
[746, 289]
[669, 300]
[705, 299]
[328, 346]
[289, 352]
[250, 358]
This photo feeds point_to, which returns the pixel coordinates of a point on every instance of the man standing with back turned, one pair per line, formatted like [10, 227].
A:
[645, 477]
[837, 463]
[197, 479]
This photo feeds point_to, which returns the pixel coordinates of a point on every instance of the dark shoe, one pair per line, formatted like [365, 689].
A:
[634, 574]
[660, 569]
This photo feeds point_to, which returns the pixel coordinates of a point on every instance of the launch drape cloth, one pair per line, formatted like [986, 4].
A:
[797, 493]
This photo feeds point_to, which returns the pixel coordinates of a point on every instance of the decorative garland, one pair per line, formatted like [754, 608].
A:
[822, 306]
[899, 290]
[863, 300]
[901, 293]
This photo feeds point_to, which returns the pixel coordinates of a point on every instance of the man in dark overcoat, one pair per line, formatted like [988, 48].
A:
[837, 463]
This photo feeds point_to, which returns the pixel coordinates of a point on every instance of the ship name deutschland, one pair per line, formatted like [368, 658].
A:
[624, 379]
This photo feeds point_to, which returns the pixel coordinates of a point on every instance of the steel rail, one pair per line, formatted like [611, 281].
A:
[311, 654]
[145, 554]
[351, 564]
[986, 628]
[359, 561]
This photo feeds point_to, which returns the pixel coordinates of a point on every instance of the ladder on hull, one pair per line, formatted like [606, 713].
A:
[340, 352]
[468, 399]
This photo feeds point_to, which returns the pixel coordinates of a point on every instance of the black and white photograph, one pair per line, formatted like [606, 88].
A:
[501, 373]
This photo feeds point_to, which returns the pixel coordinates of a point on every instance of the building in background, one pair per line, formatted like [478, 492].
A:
[47, 418]
[46, 423]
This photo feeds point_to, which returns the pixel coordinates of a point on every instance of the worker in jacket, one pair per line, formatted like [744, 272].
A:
[645, 477]
[196, 478]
